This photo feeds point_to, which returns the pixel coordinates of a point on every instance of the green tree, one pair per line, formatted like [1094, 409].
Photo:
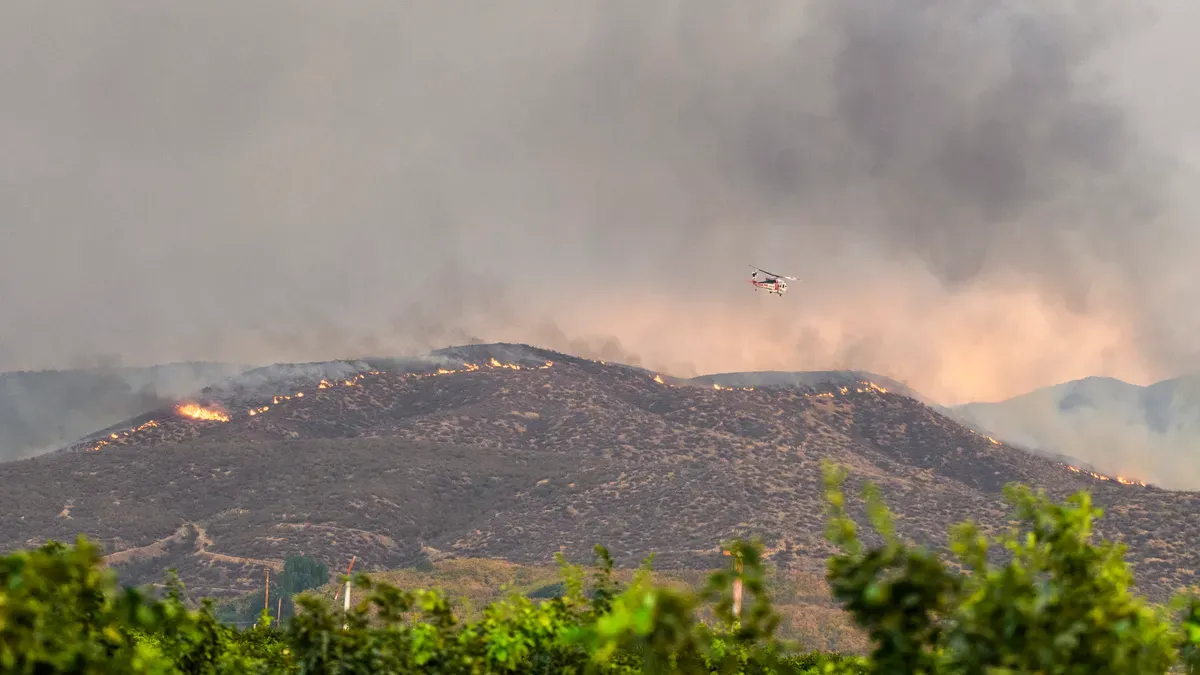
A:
[300, 573]
[57, 614]
[1061, 604]
[61, 611]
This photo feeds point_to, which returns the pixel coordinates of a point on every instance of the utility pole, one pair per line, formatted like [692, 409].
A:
[346, 602]
[267, 592]
[737, 591]
[737, 587]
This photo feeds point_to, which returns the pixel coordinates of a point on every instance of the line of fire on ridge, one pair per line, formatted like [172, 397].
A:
[196, 412]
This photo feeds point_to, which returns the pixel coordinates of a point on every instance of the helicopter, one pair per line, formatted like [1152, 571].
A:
[772, 283]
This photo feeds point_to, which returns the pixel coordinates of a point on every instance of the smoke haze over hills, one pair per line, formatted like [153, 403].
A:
[973, 209]
[1115, 427]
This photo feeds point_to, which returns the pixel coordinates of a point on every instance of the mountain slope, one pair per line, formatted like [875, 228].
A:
[524, 457]
[1152, 432]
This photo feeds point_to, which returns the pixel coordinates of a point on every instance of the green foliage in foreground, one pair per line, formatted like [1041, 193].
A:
[1060, 604]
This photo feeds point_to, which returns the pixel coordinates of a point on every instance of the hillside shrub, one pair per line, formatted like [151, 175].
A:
[1060, 603]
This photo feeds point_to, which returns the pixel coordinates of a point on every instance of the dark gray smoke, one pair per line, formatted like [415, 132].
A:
[974, 200]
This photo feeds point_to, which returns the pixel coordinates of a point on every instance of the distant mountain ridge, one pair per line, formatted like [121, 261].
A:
[1152, 431]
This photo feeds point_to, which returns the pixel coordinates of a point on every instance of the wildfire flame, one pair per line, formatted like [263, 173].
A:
[865, 388]
[658, 379]
[1113, 479]
[492, 363]
[197, 413]
[124, 434]
[990, 439]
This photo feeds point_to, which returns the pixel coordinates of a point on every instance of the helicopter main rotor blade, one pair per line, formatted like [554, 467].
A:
[772, 274]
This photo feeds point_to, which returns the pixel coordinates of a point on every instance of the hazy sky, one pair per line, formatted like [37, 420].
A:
[981, 197]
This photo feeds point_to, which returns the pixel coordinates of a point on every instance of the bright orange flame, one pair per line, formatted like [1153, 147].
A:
[1119, 479]
[124, 434]
[658, 379]
[197, 413]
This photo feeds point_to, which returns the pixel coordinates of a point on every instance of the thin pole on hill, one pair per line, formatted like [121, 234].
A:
[267, 592]
[278, 609]
[737, 591]
[350, 567]
[346, 605]
[737, 588]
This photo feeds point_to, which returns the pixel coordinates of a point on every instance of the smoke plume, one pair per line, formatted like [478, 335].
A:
[977, 196]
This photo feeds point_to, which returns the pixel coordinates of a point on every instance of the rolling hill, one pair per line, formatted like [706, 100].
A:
[515, 453]
[1116, 427]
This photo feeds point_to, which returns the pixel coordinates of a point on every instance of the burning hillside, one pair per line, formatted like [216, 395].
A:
[196, 412]
[156, 431]
[217, 413]
[1116, 479]
[460, 453]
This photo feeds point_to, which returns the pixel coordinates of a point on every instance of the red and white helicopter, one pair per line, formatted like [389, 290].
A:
[772, 283]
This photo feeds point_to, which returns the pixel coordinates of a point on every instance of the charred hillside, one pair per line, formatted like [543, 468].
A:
[512, 452]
